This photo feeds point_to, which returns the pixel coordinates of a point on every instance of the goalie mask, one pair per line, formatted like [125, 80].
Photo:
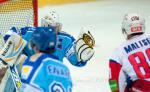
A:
[44, 39]
[51, 19]
[133, 24]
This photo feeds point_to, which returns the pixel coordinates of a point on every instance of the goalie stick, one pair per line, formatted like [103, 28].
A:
[10, 54]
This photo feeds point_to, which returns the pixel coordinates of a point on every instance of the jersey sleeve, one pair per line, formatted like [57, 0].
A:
[117, 77]
[69, 50]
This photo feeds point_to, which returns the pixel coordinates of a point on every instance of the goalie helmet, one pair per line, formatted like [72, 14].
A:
[44, 39]
[51, 19]
[133, 24]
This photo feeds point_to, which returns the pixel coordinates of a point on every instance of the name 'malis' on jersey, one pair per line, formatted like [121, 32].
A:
[137, 44]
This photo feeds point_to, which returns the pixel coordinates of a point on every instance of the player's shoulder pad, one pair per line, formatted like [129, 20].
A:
[65, 34]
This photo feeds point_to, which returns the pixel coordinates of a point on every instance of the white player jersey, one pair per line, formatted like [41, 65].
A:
[131, 61]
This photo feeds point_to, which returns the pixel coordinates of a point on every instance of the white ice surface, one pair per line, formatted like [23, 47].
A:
[104, 17]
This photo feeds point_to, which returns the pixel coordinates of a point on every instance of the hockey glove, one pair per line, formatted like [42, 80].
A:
[9, 55]
[85, 46]
[12, 49]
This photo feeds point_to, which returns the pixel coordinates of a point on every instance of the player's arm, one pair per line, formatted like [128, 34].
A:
[115, 69]
[117, 77]
[69, 50]
[82, 49]
[66, 44]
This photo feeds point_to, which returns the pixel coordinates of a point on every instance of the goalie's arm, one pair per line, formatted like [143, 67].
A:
[82, 50]
[73, 59]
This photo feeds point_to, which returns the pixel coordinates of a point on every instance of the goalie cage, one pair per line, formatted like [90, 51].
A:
[17, 13]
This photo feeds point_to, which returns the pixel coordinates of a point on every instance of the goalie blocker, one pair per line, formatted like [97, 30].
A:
[85, 46]
[10, 55]
[12, 49]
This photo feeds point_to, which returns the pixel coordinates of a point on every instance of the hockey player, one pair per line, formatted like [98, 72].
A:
[129, 64]
[43, 72]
